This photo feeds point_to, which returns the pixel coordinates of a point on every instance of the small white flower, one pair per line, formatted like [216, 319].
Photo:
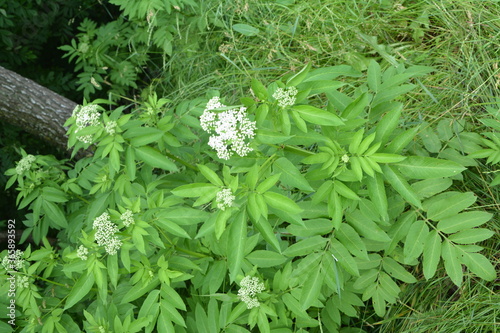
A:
[105, 233]
[224, 199]
[231, 127]
[250, 287]
[285, 97]
[82, 252]
[86, 116]
[25, 164]
[345, 158]
[110, 127]
[13, 261]
[127, 218]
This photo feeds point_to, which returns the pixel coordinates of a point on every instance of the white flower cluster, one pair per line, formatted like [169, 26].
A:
[345, 158]
[13, 260]
[105, 233]
[25, 164]
[23, 282]
[232, 127]
[110, 127]
[285, 97]
[127, 218]
[250, 287]
[86, 116]
[82, 252]
[224, 199]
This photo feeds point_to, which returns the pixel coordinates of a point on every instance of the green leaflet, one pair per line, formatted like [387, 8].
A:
[237, 242]
[305, 246]
[452, 264]
[448, 204]
[397, 271]
[318, 116]
[154, 158]
[432, 254]
[401, 185]
[463, 221]
[415, 240]
[351, 240]
[80, 289]
[419, 167]
[264, 258]
[290, 176]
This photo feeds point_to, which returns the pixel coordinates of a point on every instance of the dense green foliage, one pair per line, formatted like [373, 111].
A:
[350, 194]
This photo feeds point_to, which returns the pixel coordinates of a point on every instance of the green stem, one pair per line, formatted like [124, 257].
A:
[175, 158]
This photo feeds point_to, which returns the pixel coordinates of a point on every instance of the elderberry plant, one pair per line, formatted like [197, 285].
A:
[331, 202]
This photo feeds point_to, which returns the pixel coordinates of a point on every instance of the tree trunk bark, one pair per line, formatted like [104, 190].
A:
[34, 108]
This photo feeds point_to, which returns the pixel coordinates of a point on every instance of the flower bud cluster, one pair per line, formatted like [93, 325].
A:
[127, 218]
[86, 116]
[285, 97]
[110, 127]
[224, 199]
[25, 164]
[105, 233]
[231, 127]
[82, 252]
[13, 260]
[23, 282]
[250, 287]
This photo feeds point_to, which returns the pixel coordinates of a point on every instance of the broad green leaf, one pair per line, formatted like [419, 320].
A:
[479, 265]
[463, 221]
[388, 123]
[366, 279]
[374, 76]
[210, 175]
[264, 258]
[344, 257]
[311, 288]
[246, 29]
[80, 289]
[379, 302]
[448, 204]
[392, 93]
[344, 191]
[172, 312]
[271, 137]
[419, 167]
[299, 77]
[401, 185]
[139, 290]
[154, 158]
[221, 221]
[293, 305]
[394, 269]
[366, 227]
[355, 108]
[351, 240]
[318, 116]
[290, 175]
[237, 243]
[430, 139]
[150, 305]
[305, 246]
[390, 287]
[53, 194]
[195, 190]
[451, 262]
[355, 141]
[311, 227]
[429, 187]
[55, 214]
[415, 240]
[471, 236]
[112, 268]
[387, 158]
[130, 165]
[432, 254]
[281, 202]
[402, 140]
[141, 136]
[376, 190]
[259, 90]
[267, 233]
[332, 72]
[172, 228]
[185, 215]
[320, 86]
